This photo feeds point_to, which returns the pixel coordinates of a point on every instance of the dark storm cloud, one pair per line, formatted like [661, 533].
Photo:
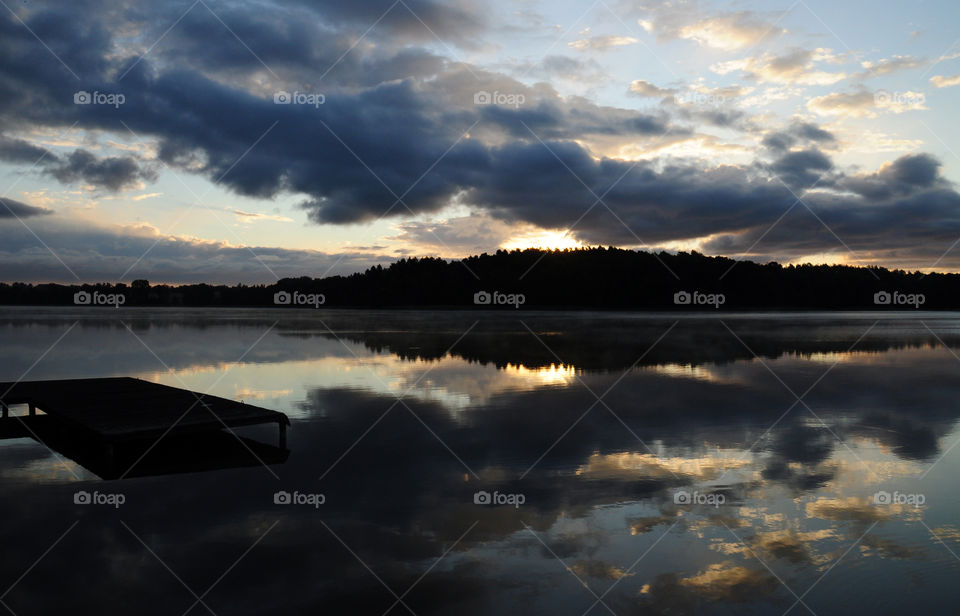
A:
[737, 205]
[802, 169]
[292, 43]
[397, 128]
[15, 209]
[904, 176]
[395, 116]
[778, 141]
[113, 173]
[353, 153]
[448, 19]
[813, 132]
[802, 133]
[901, 208]
[553, 184]
[298, 33]
[21, 151]
[549, 120]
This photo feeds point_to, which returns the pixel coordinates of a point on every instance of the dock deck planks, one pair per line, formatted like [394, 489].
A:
[123, 408]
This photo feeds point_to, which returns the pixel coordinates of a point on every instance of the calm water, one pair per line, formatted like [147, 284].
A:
[697, 483]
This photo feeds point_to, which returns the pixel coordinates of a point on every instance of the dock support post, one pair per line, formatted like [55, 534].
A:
[33, 409]
[6, 410]
[283, 434]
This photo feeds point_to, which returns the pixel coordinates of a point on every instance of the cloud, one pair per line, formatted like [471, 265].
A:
[683, 200]
[697, 102]
[865, 104]
[15, 209]
[886, 66]
[113, 173]
[251, 216]
[803, 168]
[852, 104]
[601, 42]
[797, 133]
[338, 154]
[415, 20]
[103, 253]
[554, 67]
[146, 196]
[285, 34]
[730, 31]
[795, 67]
[873, 142]
[641, 87]
[725, 31]
[400, 133]
[902, 213]
[465, 235]
[19, 151]
[900, 177]
[940, 81]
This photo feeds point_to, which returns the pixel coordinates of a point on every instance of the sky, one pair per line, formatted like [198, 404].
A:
[225, 142]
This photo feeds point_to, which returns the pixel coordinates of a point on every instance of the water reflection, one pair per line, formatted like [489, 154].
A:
[505, 410]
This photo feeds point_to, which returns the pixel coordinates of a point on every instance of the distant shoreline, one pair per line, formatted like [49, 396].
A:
[601, 279]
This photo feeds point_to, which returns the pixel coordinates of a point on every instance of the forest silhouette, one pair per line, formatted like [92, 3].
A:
[584, 278]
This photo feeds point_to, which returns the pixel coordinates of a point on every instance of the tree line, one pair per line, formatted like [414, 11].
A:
[583, 278]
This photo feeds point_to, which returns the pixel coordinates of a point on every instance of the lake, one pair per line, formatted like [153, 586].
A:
[505, 461]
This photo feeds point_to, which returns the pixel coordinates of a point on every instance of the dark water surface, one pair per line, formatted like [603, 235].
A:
[648, 464]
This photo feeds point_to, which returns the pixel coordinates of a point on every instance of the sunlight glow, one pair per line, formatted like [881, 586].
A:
[548, 240]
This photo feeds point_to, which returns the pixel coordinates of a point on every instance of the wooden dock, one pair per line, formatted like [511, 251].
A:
[121, 411]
